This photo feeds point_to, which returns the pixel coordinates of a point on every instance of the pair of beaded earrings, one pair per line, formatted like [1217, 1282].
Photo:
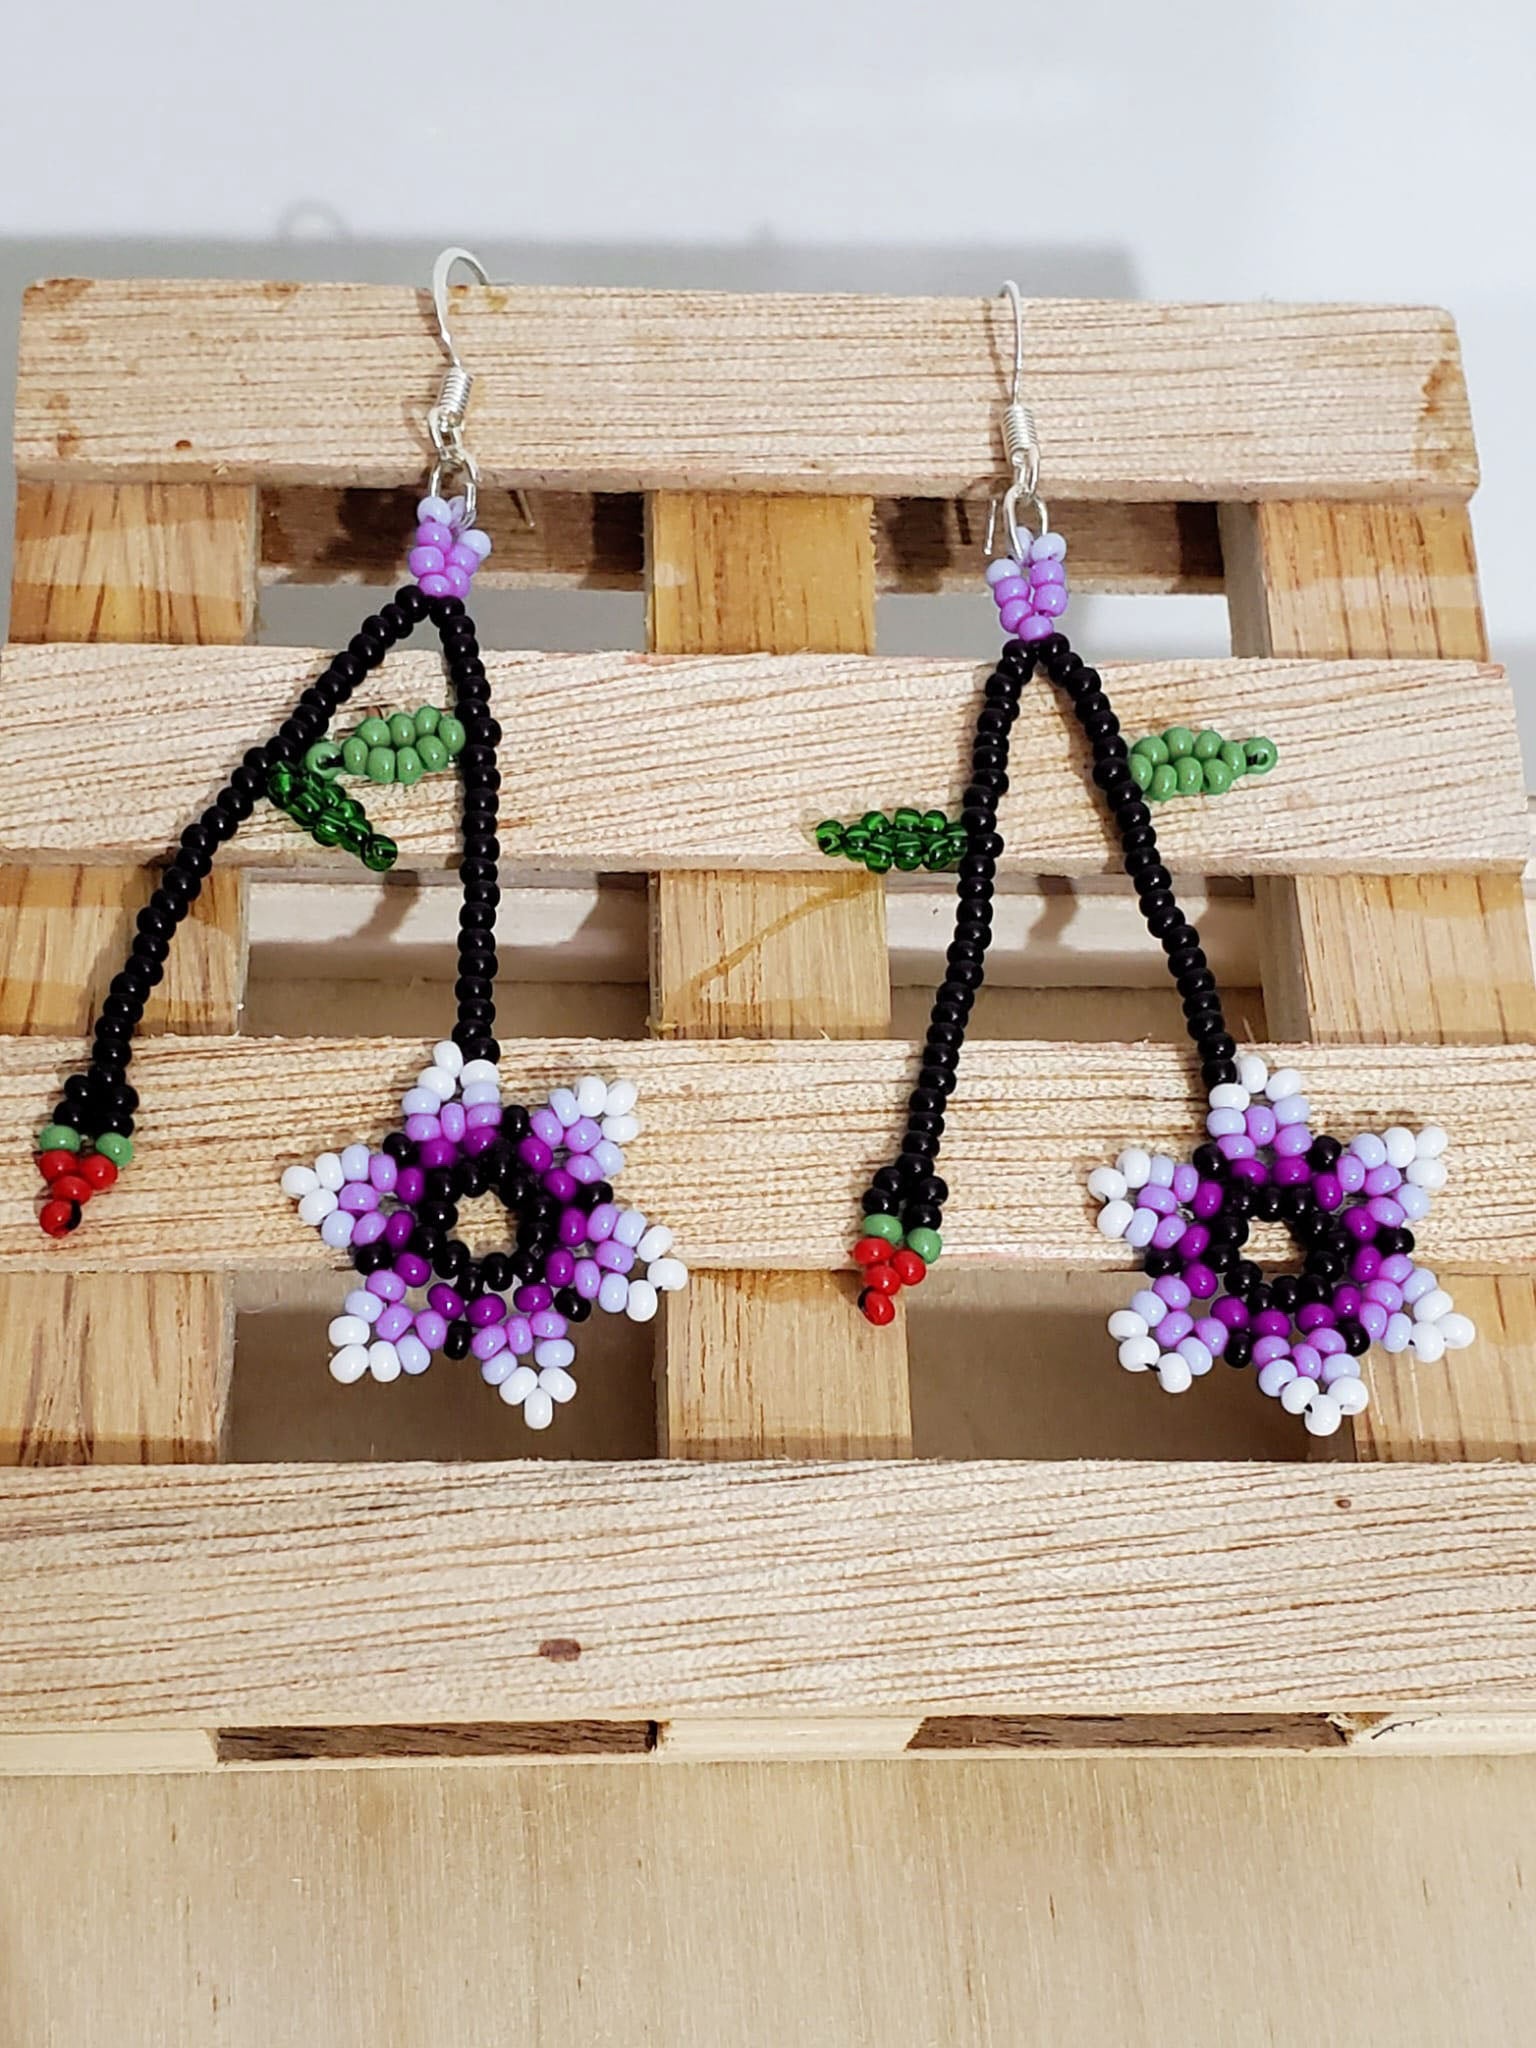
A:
[393, 1208]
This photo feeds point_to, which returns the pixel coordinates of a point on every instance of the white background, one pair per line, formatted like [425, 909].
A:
[1189, 149]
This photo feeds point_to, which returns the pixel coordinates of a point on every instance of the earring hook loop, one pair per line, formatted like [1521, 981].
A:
[445, 419]
[1021, 444]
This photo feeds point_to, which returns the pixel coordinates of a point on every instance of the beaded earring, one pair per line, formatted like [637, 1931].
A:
[1348, 1208]
[393, 1209]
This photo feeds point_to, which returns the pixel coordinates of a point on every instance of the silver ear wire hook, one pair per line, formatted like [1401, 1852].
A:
[445, 419]
[1021, 444]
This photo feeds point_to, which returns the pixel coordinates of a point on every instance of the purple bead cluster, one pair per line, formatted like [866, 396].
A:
[445, 553]
[393, 1208]
[1031, 595]
[1348, 1208]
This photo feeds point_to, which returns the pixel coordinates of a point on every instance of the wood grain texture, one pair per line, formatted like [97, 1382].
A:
[736, 1133]
[967, 1903]
[596, 541]
[97, 1365]
[728, 760]
[775, 1364]
[639, 390]
[1433, 958]
[356, 1594]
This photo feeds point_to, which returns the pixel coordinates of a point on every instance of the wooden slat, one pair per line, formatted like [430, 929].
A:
[771, 1364]
[968, 1904]
[596, 541]
[754, 1152]
[100, 1366]
[1433, 958]
[426, 1593]
[730, 759]
[637, 390]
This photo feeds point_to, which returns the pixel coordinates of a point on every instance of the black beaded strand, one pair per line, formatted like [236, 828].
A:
[101, 1101]
[475, 989]
[904, 1204]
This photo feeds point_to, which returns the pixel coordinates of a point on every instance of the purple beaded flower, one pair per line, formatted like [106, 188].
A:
[1349, 1209]
[394, 1209]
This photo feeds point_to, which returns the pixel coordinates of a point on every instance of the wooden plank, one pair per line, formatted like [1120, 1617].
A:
[735, 1134]
[1433, 958]
[596, 541]
[727, 759]
[101, 1366]
[376, 1593]
[970, 1903]
[774, 1364]
[638, 390]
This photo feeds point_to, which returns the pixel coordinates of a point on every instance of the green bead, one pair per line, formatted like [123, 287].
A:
[402, 728]
[855, 842]
[878, 860]
[1190, 775]
[875, 821]
[935, 823]
[1218, 777]
[1207, 745]
[326, 832]
[114, 1146]
[380, 853]
[956, 846]
[1232, 753]
[303, 810]
[1262, 755]
[373, 732]
[321, 759]
[451, 733]
[58, 1138]
[381, 764]
[433, 754]
[354, 755]
[883, 1226]
[409, 767]
[829, 836]
[280, 779]
[1142, 771]
[909, 853]
[936, 857]
[1152, 749]
[906, 819]
[425, 720]
[1179, 741]
[926, 1243]
[1164, 783]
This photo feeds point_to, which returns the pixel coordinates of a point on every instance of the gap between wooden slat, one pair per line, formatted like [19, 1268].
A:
[596, 542]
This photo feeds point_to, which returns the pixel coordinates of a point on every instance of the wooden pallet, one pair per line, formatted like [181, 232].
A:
[761, 467]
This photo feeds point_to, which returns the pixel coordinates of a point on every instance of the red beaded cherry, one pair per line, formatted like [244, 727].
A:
[51, 1164]
[908, 1267]
[883, 1279]
[97, 1169]
[72, 1187]
[869, 1251]
[59, 1218]
[878, 1308]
